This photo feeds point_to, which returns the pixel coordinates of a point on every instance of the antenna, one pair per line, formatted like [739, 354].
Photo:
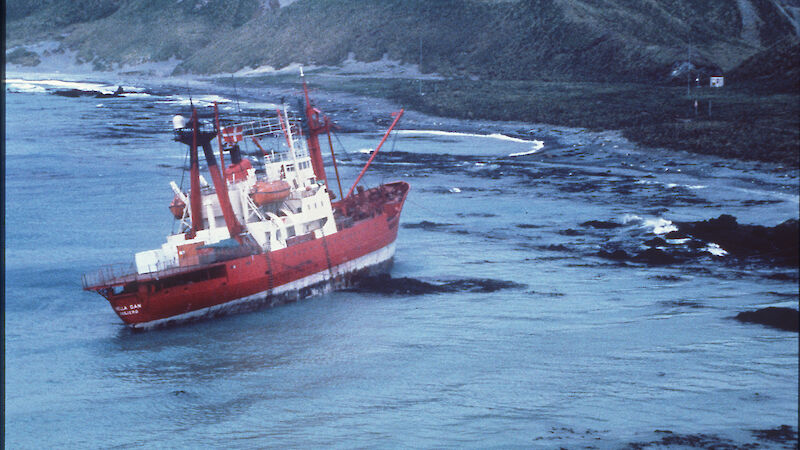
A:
[236, 95]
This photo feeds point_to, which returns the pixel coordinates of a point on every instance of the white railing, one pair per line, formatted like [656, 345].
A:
[267, 126]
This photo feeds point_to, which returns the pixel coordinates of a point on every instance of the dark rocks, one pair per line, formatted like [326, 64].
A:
[554, 247]
[527, 225]
[783, 434]
[616, 255]
[651, 256]
[74, 93]
[385, 284]
[675, 235]
[655, 242]
[655, 256]
[601, 224]
[778, 244]
[686, 441]
[723, 237]
[427, 225]
[667, 278]
[787, 319]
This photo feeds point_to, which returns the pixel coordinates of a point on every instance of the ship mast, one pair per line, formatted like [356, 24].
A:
[196, 198]
[315, 128]
[204, 137]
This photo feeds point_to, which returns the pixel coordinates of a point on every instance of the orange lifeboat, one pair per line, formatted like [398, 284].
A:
[238, 171]
[177, 207]
[265, 192]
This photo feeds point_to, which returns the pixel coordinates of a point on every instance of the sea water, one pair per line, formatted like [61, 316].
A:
[576, 350]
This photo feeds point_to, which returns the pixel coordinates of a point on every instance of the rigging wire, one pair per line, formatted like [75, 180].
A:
[348, 159]
[180, 186]
[239, 111]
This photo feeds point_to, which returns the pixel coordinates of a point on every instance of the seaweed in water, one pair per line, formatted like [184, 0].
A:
[686, 440]
[783, 434]
[787, 319]
[385, 284]
[601, 224]
[427, 225]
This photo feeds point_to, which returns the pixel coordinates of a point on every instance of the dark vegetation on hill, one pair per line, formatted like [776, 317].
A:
[589, 63]
[729, 122]
[598, 40]
[774, 69]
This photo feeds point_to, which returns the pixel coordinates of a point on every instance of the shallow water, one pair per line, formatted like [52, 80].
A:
[580, 351]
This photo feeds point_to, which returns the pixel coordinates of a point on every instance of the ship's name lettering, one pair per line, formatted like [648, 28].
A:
[125, 308]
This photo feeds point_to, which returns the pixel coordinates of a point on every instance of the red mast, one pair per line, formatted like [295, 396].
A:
[219, 138]
[315, 128]
[204, 137]
[234, 227]
[196, 199]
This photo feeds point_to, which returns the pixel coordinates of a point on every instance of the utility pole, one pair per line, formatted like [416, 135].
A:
[420, 63]
[689, 71]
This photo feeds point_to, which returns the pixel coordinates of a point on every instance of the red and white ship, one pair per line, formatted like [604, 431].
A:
[253, 240]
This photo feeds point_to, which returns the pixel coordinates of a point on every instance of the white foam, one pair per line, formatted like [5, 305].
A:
[455, 133]
[672, 185]
[660, 226]
[38, 86]
[715, 249]
[454, 190]
[657, 224]
[24, 87]
[678, 241]
[135, 94]
[537, 145]
[630, 218]
[61, 84]
[199, 100]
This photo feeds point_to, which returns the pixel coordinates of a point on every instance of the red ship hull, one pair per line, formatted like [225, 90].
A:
[309, 266]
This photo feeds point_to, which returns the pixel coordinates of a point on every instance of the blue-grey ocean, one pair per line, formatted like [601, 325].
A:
[540, 342]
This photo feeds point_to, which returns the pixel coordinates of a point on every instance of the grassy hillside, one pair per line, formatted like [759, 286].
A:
[597, 40]
[728, 122]
[774, 69]
[577, 40]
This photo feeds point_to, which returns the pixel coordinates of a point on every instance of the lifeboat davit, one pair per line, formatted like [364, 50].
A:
[177, 207]
[265, 192]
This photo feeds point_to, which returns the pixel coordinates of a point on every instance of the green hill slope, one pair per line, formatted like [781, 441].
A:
[596, 40]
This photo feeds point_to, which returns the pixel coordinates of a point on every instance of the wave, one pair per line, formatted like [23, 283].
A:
[200, 99]
[24, 87]
[537, 145]
[672, 185]
[499, 136]
[657, 225]
[39, 86]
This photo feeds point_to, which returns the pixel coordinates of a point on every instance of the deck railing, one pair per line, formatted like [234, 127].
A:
[110, 274]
